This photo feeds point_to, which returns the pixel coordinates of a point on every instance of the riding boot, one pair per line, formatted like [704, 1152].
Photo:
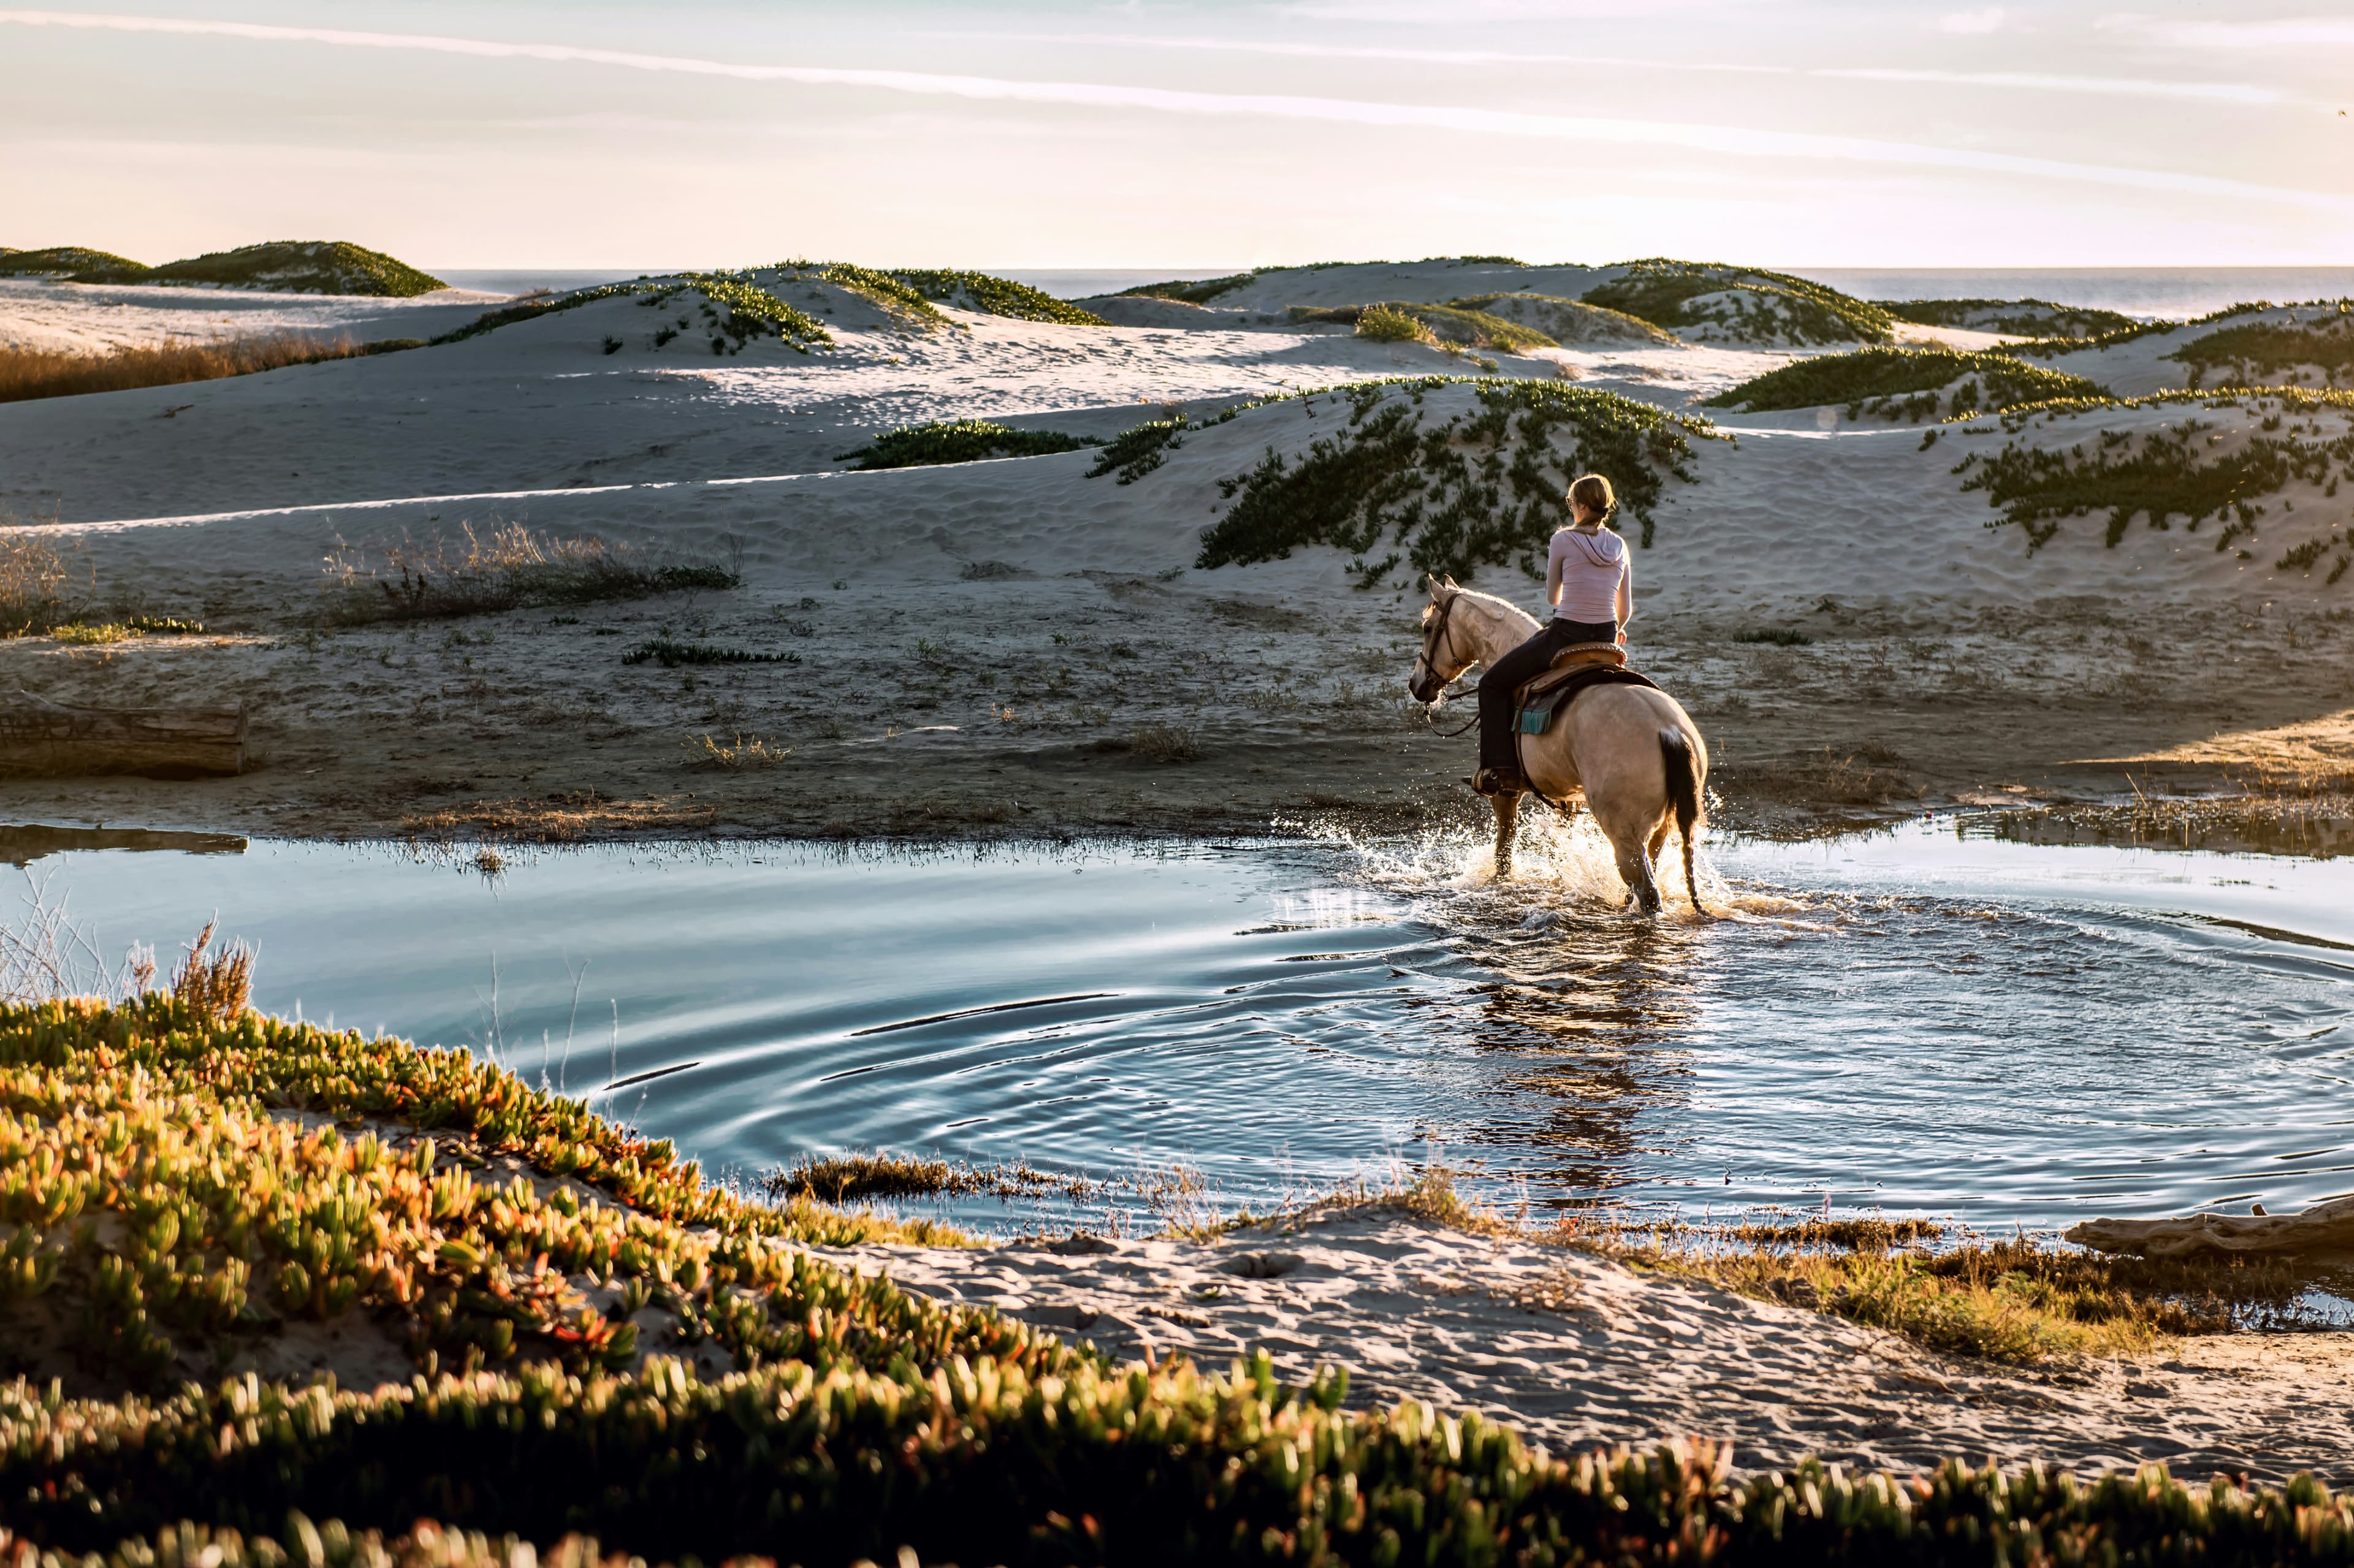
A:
[1499, 782]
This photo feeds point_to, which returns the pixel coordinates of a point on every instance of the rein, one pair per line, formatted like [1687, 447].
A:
[1438, 634]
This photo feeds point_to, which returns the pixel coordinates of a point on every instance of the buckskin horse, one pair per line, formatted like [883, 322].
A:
[1631, 748]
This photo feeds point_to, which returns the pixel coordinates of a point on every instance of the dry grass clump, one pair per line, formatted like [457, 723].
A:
[26, 373]
[1166, 743]
[510, 567]
[2007, 1300]
[861, 1174]
[215, 986]
[1388, 323]
[740, 756]
[41, 586]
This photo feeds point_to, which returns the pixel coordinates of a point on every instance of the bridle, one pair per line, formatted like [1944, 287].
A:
[1433, 642]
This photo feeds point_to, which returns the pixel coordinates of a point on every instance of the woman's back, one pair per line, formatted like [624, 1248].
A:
[1591, 566]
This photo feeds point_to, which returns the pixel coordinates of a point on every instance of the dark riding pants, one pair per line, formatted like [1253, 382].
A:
[1508, 674]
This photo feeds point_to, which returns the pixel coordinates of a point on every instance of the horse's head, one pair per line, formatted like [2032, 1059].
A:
[1444, 650]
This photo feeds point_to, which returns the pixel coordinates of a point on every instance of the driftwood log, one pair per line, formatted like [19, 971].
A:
[42, 739]
[2325, 1227]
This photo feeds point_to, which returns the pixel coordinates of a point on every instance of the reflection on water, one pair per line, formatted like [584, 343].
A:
[2320, 830]
[1923, 1019]
[22, 845]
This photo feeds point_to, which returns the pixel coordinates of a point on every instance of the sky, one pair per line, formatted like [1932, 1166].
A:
[1190, 135]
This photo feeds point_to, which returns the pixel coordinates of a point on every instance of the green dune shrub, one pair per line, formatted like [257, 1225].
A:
[959, 441]
[1906, 383]
[2162, 474]
[76, 263]
[881, 289]
[1751, 304]
[1567, 321]
[2023, 318]
[301, 266]
[1480, 488]
[1399, 321]
[1387, 323]
[2052, 347]
[993, 296]
[989, 1463]
[2252, 351]
[1201, 290]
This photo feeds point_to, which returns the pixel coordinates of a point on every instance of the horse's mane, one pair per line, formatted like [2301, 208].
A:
[1493, 601]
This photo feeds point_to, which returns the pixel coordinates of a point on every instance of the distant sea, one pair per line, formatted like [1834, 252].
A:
[2172, 292]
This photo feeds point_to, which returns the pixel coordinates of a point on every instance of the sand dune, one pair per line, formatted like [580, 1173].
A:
[223, 500]
[1577, 1351]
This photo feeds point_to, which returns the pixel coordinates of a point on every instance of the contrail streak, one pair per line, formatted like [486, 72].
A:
[1731, 140]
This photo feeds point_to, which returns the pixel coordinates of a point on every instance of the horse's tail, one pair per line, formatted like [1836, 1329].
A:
[1684, 790]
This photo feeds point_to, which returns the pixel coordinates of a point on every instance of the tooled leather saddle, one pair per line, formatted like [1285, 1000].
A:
[1577, 668]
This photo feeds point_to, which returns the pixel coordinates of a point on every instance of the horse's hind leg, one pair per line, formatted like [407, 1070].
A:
[1635, 870]
[1508, 816]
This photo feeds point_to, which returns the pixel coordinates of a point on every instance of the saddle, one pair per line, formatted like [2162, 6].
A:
[1574, 669]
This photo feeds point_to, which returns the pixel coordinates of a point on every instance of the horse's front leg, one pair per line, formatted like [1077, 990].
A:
[1508, 816]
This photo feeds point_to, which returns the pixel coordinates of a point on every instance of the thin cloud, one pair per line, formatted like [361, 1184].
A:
[2286, 32]
[2232, 93]
[1365, 52]
[1987, 20]
[1722, 140]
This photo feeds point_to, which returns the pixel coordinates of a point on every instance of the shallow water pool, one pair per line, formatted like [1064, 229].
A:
[1921, 1021]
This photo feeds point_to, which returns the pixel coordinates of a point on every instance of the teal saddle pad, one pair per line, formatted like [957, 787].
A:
[1537, 714]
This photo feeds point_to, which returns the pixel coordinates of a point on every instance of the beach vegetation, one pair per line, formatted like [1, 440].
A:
[1567, 321]
[869, 1174]
[886, 294]
[1167, 744]
[1711, 299]
[298, 266]
[753, 311]
[531, 307]
[42, 587]
[670, 654]
[993, 296]
[187, 1183]
[750, 311]
[1774, 636]
[2052, 347]
[500, 567]
[28, 373]
[2005, 1301]
[2017, 318]
[738, 756]
[2161, 474]
[1906, 383]
[1139, 449]
[1395, 485]
[1201, 290]
[75, 263]
[1441, 326]
[2249, 353]
[959, 440]
[1387, 324]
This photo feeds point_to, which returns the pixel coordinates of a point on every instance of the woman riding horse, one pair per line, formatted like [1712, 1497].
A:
[1590, 583]
[1626, 747]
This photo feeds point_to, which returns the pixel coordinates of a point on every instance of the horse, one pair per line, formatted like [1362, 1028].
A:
[1634, 751]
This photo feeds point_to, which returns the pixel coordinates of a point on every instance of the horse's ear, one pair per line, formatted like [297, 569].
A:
[1432, 579]
[1450, 579]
